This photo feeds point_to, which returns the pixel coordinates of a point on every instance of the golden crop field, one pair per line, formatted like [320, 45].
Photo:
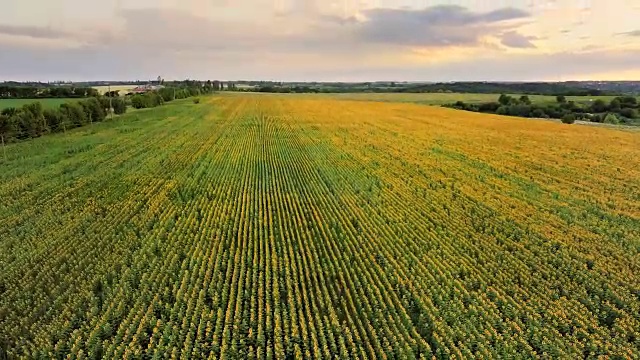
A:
[122, 88]
[267, 227]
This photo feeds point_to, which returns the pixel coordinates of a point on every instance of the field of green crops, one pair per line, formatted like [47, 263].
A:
[283, 227]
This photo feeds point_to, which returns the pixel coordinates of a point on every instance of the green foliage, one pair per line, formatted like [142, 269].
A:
[620, 109]
[119, 106]
[611, 118]
[139, 101]
[33, 120]
[56, 119]
[629, 113]
[599, 106]
[75, 113]
[569, 119]
[147, 100]
[94, 109]
[615, 105]
[43, 91]
[561, 99]
[7, 127]
[539, 113]
[196, 101]
[506, 100]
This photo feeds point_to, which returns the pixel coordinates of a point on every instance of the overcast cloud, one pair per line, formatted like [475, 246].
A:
[314, 40]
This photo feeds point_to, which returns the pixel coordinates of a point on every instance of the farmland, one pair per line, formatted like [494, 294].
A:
[446, 98]
[46, 102]
[123, 89]
[261, 226]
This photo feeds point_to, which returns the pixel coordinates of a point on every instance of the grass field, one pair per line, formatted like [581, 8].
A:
[446, 98]
[46, 103]
[277, 226]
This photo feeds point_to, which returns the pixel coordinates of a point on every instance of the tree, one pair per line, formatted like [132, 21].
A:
[39, 125]
[561, 99]
[7, 130]
[505, 99]
[489, 107]
[119, 106]
[94, 109]
[10, 111]
[139, 101]
[75, 113]
[168, 93]
[611, 118]
[629, 113]
[598, 106]
[539, 113]
[627, 101]
[55, 119]
[569, 119]
[596, 118]
[615, 105]
[524, 99]
[503, 110]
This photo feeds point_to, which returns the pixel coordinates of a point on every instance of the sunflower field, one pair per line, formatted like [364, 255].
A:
[275, 227]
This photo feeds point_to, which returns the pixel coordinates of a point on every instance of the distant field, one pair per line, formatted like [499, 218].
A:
[123, 88]
[47, 103]
[245, 86]
[444, 98]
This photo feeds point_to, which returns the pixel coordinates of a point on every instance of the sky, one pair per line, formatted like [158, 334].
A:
[320, 40]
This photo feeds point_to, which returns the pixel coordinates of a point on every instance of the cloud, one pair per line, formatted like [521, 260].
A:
[437, 26]
[514, 39]
[501, 67]
[312, 41]
[304, 29]
[630, 33]
[33, 32]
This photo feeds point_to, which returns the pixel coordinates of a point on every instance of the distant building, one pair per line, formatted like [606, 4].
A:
[144, 88]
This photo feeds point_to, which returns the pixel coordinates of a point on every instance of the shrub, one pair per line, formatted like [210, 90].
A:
[119, 106]
[629, 113]
[56, 119]
[94, 109]
[196, 101]
[75, 113]
[7, 128]
[519, 110]
[489, 107]
[539, 113]
[598, 106]
[611, 118]
[154, 99]
[32, 120]
[503, 110]
[569, 119]
[139, 101]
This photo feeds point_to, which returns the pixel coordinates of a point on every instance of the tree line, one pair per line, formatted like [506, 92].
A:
[455, 87]
[36, 92]
[32, 120]
[621, 109]
[156, 98]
